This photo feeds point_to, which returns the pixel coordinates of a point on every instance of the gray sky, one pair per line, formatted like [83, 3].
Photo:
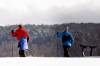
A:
[48, 11]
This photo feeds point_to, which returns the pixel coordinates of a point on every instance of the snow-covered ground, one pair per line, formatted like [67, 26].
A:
[45, 61]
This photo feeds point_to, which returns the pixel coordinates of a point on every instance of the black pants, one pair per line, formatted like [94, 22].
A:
[24, 53]
[21, 53]
[66, 48]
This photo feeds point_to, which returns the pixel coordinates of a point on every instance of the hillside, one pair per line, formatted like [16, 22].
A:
[44, 43]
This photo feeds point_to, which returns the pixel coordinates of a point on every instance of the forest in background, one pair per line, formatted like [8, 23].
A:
[44, 43]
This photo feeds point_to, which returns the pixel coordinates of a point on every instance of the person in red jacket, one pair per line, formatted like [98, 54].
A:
[23, 37]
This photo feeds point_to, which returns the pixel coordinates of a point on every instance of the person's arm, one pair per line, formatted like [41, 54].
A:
[72, 40]
[28, 37]
[71, 37]
[14, 34]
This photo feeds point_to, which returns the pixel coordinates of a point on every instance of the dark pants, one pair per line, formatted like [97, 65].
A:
[21, 53]
[66, 48]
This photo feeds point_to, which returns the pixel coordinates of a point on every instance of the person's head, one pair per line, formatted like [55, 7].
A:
[66, 29]
[20, 26]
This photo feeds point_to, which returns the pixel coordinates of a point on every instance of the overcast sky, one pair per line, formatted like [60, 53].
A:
[48, 11]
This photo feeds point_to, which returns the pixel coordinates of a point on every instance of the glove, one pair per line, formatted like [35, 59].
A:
[12, 31]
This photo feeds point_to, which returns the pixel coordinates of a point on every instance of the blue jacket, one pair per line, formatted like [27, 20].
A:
[68, 42]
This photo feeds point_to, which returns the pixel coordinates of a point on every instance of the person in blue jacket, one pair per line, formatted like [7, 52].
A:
[67, 41]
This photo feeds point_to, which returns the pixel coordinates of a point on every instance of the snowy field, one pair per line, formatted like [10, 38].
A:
[41, 61]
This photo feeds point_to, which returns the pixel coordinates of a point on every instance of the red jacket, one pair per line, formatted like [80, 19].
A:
[20, 33]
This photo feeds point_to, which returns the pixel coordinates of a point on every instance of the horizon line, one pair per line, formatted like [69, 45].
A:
[51, 24]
